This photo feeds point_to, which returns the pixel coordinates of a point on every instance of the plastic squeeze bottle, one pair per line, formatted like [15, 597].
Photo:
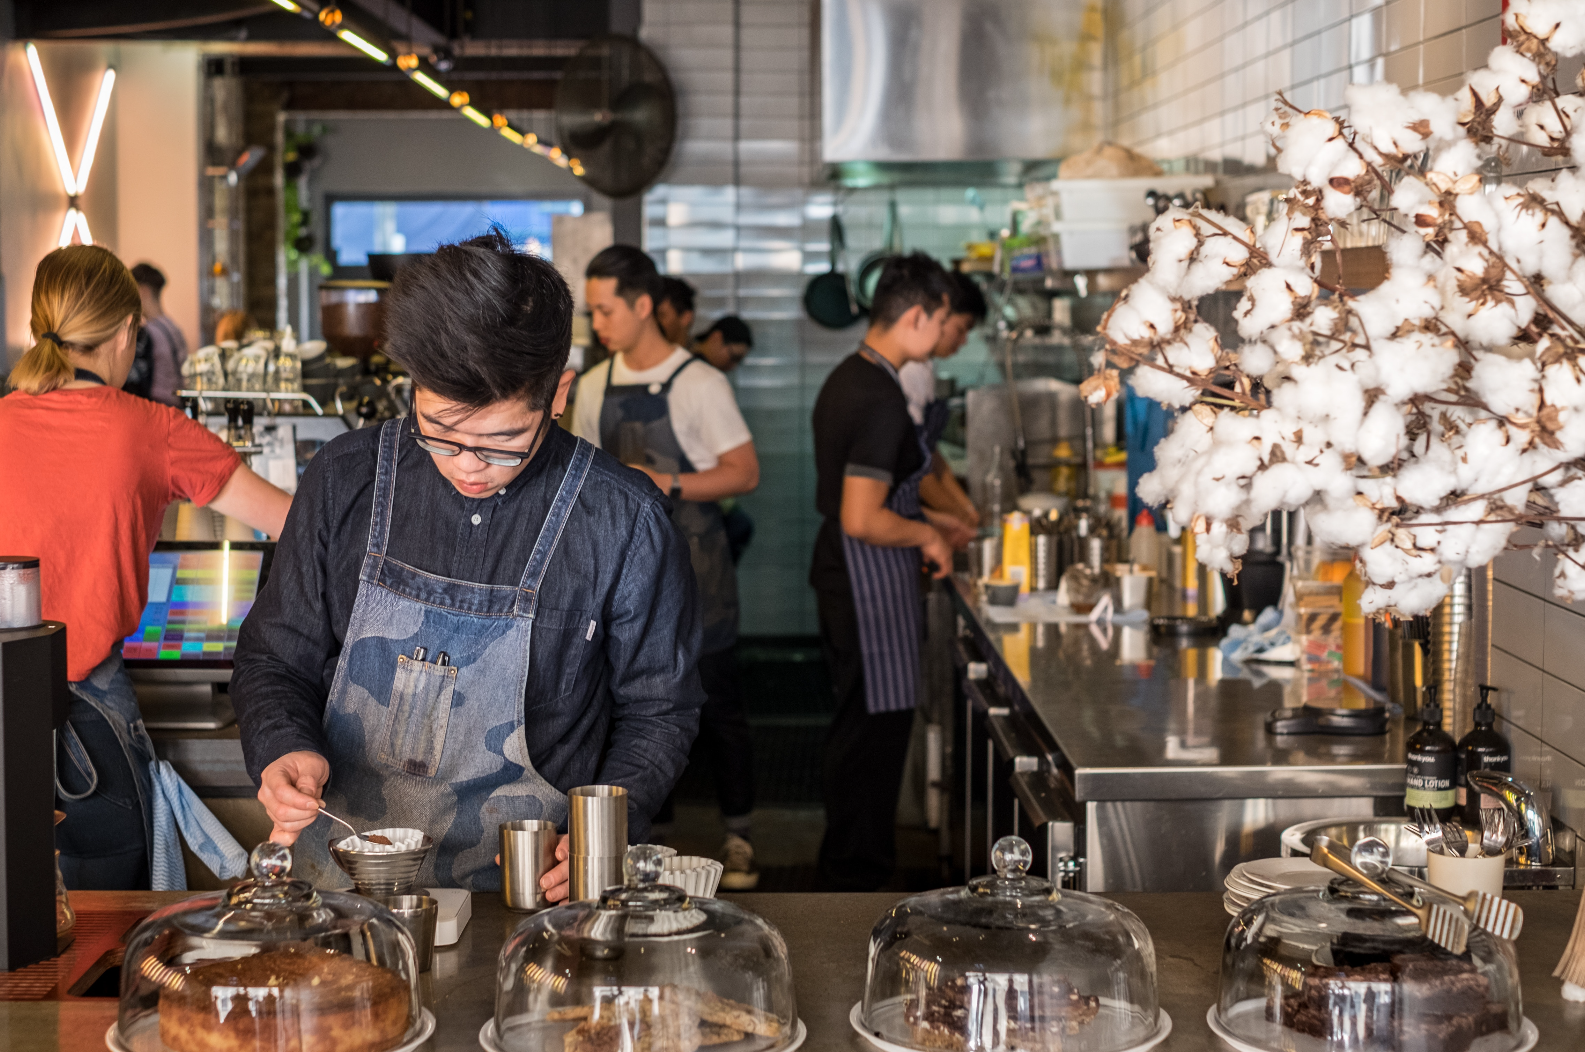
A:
[1144, 547]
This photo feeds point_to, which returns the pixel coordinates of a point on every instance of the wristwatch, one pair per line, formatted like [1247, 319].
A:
[676, 486]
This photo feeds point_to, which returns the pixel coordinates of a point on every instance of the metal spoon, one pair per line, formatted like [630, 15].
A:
[373, 838]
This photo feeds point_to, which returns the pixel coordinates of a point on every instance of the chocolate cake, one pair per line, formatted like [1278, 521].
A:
[285, 1000]
[1039, 1016]
[1411, 1002]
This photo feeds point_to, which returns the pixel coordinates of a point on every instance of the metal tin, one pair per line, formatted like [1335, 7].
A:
[19, 592]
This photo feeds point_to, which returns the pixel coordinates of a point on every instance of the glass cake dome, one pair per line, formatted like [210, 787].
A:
[645, 966]
[1342, 969]
[270, 964]
[1010, 964]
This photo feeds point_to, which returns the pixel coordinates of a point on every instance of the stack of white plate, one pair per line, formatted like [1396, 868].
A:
[1252, 880]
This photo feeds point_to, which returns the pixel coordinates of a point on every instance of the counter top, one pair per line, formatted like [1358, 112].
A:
[1137, 719]
[827, 939]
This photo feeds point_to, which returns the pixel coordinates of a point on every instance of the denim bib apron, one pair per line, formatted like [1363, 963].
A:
[886, 596]
[425, 716]
[700, 521]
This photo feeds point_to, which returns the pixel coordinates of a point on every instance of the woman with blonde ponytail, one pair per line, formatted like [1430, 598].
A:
[86, 472]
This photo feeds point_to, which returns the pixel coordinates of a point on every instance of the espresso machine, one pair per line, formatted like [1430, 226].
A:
[33, 703]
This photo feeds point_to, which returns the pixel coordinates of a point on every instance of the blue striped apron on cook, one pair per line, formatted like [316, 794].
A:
[886, 595]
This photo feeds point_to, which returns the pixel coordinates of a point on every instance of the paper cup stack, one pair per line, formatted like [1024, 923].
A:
[696, 875]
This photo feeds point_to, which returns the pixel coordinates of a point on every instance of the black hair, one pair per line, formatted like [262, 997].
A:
[732, 329]
[148, 274]
[966, 297]
[914, 280]
[479, 322]
[633, 270]
[676, 292]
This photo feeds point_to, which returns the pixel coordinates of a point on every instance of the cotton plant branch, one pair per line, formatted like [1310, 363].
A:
[1421, 422]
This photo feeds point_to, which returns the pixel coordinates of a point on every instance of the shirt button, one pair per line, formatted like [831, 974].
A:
[476, 520]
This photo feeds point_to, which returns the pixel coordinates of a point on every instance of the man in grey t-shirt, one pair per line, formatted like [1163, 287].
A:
[170, 346]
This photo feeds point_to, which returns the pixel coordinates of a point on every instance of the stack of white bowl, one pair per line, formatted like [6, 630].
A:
[1253, 880]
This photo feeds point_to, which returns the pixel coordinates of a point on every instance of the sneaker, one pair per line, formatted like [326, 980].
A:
[738, 856]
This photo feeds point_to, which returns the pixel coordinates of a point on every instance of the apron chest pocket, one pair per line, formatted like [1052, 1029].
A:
[415, 722]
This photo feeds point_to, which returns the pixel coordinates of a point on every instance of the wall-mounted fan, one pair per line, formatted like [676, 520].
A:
[617, 114]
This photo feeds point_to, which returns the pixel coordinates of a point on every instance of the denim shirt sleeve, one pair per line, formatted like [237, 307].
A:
[288, 638]
[652, 650]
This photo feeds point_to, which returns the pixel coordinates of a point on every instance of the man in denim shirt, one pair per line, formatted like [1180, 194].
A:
[470, 611]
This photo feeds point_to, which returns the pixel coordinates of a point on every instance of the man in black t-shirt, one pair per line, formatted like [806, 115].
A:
[873, 542]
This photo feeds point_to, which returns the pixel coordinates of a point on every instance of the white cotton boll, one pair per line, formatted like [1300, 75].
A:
[1381, 492]
[1172, 245]
[1570, 498]
[1490, 540]
[1429, 477]
[1284, 239]
[1287, 341]
[1456, 160]
[1541, 124]
[1324, 396]
[1567, 188]
[1219, 546]
[1489, 457]
[1418, 595]
[1408, 294]
[1344, 526]
[1381, 435]
[1218, 484]
[1310, 145]
[1559, 22]
[1568, 579]
[1490, 318]
[1270, 298]
[1220, 257]
[1507, 78]
[1383, 117]
[1417, 363]
[1508, 386]
[1441, 111]
[1283, 486]
[1404, 250]
[1417, 201]
[1143, 313]
[1256, 359]
[1389, 564]
[1196, 352]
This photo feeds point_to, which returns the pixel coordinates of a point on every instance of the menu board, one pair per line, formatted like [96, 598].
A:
[197, 600]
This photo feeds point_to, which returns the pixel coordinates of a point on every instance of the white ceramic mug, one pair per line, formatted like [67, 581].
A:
[1460, 876]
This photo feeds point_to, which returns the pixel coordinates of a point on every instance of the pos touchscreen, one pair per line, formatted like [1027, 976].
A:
[199, 592]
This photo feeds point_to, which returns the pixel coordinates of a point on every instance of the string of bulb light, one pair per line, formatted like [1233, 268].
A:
[73, 182]
[330, 16]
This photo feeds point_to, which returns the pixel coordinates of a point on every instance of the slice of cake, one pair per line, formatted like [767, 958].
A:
[285, 1000]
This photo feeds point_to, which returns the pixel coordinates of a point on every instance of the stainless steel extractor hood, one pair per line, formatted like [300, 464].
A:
[973, 84]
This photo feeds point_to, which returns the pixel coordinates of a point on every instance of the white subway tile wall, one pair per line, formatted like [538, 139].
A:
[1194, 78]
[1538, 662]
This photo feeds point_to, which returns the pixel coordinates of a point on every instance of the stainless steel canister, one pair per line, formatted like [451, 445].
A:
[528, 852]
[19, 591]
[597, 824]
[985, 555]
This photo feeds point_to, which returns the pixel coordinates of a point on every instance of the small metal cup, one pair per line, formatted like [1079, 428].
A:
[418, 914]
[528, 852]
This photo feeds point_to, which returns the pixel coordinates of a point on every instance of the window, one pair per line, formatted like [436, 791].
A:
[358, 228]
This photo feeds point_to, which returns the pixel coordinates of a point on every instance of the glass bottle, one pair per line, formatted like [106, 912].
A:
[1356, 629]
[286, 370]
[1089, 580]
[993, 488]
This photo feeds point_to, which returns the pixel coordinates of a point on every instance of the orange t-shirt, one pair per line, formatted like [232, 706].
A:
[85, 476]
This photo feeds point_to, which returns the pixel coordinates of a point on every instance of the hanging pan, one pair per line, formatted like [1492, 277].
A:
[869, 274]
[829, 297]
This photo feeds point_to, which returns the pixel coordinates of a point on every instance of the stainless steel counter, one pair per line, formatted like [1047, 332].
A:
[1161, 754]
[827, 939]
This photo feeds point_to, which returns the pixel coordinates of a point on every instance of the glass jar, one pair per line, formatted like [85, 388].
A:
[1088, 581]
[271, 964]
[644, 967]
[1341, 969]
[1010, 963]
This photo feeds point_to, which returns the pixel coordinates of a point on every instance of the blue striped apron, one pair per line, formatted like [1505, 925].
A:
[425, 715]
[886, 596]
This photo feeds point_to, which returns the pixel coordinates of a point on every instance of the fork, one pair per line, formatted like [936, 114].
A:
[1444, 925]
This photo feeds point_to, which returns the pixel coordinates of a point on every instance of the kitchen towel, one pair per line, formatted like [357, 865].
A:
[175, 804]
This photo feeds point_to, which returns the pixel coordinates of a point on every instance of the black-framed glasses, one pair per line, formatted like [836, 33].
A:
[445, 447]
